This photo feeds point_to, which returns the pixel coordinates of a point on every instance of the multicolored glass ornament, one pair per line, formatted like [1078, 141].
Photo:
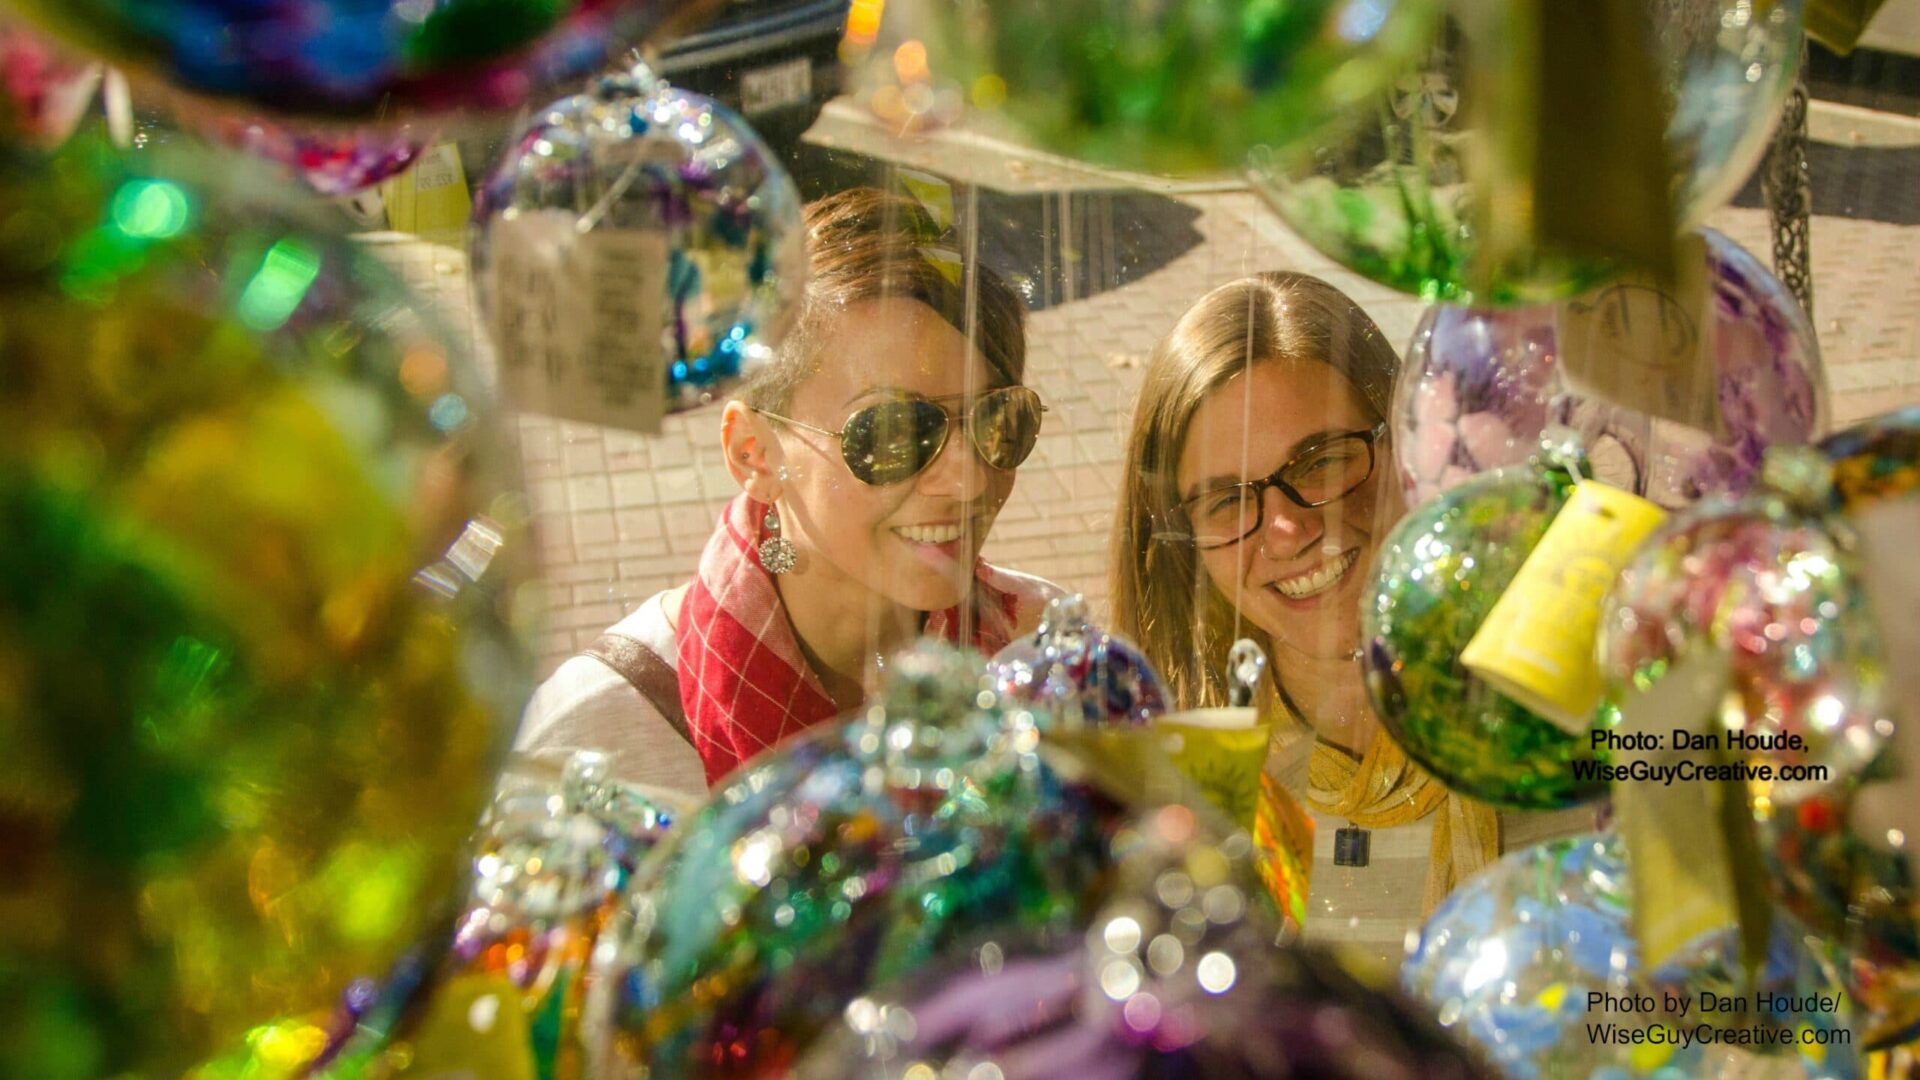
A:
[844, 858]
[363, 60]
[1437, 576]
[1481, 384]
[1534, 961]
[666, 193]
[1074, 673]
[1175, 974]
[1773, 584]
[262, 546]
[1392, 194]
[1179, 87]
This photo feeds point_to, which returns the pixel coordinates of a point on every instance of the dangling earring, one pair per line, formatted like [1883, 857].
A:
[777, 553]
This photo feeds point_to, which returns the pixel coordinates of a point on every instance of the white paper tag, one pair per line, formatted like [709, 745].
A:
[1892, 584]
[437, 168]
[1646, 346]
[578, 317]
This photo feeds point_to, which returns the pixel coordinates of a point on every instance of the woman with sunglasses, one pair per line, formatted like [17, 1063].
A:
[872, 457]
[1259, 484]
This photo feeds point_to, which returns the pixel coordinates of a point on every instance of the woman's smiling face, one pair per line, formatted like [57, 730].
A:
[915, 542]
[1300, 574]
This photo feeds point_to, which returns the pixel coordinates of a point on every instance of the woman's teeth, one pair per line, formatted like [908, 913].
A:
[928, 534]
[1318, 580]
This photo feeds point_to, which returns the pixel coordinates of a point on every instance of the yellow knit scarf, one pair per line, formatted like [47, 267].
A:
[1383, 789]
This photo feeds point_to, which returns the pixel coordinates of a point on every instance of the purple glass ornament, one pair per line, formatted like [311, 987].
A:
[1078, 674]
[1480, 384]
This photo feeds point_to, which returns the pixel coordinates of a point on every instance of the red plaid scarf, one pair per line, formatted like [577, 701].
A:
[743, 682]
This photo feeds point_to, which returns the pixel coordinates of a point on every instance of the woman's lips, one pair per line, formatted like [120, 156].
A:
[1309, 585]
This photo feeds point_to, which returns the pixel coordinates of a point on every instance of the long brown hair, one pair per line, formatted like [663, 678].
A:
[1162, 597]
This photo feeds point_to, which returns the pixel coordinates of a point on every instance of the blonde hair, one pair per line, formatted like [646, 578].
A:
[1162, 597]
[867, 244]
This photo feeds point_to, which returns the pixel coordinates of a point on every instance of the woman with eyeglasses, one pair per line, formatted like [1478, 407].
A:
[1259, 484]
[872, 457]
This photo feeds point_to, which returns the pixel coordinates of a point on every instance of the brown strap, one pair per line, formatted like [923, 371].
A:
[653, 677]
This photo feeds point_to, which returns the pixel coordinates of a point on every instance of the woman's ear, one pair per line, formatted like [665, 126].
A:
[754, 457]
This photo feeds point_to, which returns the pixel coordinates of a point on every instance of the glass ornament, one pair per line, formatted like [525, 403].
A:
[1178, 87]
[1511, 958]
[636, 162]
[848, 856]
[1073, 673]
[1481, 384]
[263, 540]
[1392, 194]
[1775, 586]
[1436, 577]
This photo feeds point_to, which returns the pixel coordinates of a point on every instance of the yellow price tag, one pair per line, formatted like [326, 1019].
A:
[1537, 644]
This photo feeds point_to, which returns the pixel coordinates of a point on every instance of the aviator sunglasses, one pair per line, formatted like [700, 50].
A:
[896, 440]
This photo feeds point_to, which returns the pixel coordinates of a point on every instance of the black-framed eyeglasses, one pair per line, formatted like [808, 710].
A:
[1324, 472]
[894, 441]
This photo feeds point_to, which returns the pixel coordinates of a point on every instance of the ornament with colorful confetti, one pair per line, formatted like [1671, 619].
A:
[1437, 576]
[1073, 673]
[1481, 384]
[683, 197]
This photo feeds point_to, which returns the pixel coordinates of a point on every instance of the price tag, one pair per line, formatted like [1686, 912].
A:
[578, 319]
[1647, 347]
[1887, 531]
[437, 168]
[1537, 644]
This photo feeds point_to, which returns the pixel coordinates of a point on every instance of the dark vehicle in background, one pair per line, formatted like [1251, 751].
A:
[776, 62]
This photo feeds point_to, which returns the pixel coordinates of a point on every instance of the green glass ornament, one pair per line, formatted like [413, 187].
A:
[1438, 575]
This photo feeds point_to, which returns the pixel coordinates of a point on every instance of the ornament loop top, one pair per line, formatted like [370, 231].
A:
[1245, 665]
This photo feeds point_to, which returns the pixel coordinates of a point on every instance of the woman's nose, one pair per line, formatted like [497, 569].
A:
[1284, 519]
[957, 471]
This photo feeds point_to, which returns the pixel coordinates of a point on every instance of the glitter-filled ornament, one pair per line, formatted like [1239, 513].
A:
[1175, 974]
[261, 544]
[1174, 87]
[1392, 196]
[846, 857]
[657, 219]
[359, 59]
[1074, 673]
[1513, 960]
[1437, 576]
[1481, 384]
[1776, 586]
